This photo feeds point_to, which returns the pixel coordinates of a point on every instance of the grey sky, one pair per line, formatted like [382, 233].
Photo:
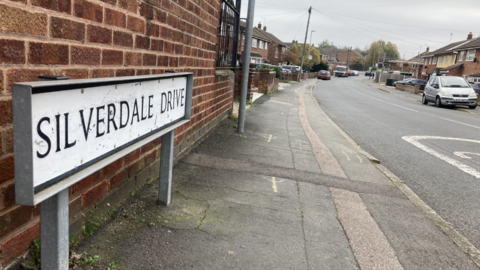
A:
[409, 24]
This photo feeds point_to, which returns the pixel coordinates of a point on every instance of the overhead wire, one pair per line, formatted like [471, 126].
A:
[293, 24]
[416, 38]
[402, 4]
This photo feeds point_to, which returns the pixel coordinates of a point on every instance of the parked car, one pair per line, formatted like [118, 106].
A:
[293, 69]
[449, 91]
[404, 82]
[341, 71]
[476, 88]
[354, 73]
[368, 73]
[324, 75]
[284, 70]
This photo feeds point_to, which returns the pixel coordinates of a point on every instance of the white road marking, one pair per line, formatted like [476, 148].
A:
[270, 138]
[459, 122]
[346, 155]
[360, 159]
[465, 168]
[394, 105]
[464, 154]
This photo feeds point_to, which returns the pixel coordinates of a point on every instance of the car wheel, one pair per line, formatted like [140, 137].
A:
[424, 100]
[473, 107]
[438, 102]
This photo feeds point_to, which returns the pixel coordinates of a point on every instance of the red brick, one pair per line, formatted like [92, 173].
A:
[12, 52]
[130, 5]
[99, 34]
[168, 47]
[132, 156]
[7, 194]
[19, 21]
[115, 18]
[140, 72]
[102, 73]
[88, 10]
[112, 57]
[84, 183]
[116, 180]
[149, 59]
[67, 29]
[23, 75]
[173, 61]
[147, 11]
[112, 167]
[122, 39]
[48, 54]
[94, 194]
[111, 2]
[64, 6]
[162, 61]
[8, 137]
[73, 73]
[142, 42]
[167, 33]
[74, 207]
[125, 72]
[136, 24]
[85, 55]
[14, 218]
[133, 59]
[161, 16]
[152, 29]
[2, 82]
[178, 49]
[15, 245]
[5, 112]
[135, 168]
[172, 21]
[156, 45]
[150, 158]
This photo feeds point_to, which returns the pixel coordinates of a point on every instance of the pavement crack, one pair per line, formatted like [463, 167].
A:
[201, 222]
[303, 226]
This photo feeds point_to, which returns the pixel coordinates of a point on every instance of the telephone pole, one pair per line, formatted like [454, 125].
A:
[304, 44]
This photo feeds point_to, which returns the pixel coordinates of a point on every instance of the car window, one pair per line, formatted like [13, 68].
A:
[435, 81]
[454, 82]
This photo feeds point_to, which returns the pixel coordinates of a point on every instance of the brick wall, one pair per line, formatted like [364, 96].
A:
[91, 39]
[469, 67]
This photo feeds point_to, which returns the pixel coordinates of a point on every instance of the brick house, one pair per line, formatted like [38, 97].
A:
[261, 44]
[276, 48]
[111, 38]
[468, 61]
[343, 55]
[444, 60]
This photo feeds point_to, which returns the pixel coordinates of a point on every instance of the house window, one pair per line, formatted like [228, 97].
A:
[462, 53]
[434, 60]
[440, 60]
[430, 60]
[470, 55]
[266, 46]
[254, 42]
[261, 44]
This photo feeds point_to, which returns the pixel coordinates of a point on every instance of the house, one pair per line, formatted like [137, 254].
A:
[444, 60]
[276, 48]
[348, 55]
[467, 60]
[260, 44]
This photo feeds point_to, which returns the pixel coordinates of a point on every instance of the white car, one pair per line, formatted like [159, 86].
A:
[449, 91]
[353, 72]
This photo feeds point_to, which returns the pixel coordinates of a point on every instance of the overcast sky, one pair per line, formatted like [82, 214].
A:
[411, 25]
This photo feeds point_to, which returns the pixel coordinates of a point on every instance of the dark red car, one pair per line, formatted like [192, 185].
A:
[324, 75]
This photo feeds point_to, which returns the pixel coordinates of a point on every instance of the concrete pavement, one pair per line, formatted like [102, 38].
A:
[293, 192]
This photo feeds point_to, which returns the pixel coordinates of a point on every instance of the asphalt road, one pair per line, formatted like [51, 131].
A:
[442, 166]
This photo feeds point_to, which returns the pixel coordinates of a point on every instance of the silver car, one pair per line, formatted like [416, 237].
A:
[449, 91]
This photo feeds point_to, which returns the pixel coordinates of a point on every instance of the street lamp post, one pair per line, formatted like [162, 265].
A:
[310, 46]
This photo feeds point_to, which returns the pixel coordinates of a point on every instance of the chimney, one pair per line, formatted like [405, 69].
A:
[264, 28]
[260, 25]
[470, 36]
[428, 49]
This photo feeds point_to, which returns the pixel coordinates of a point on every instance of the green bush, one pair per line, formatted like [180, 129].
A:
[277, 72]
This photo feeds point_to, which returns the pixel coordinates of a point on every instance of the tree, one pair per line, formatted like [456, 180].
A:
[320, 66]
[289, 57]
[297, 49]
[378, 49]
[326, 44]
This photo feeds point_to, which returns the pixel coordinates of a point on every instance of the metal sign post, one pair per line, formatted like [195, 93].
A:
[66, 130]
